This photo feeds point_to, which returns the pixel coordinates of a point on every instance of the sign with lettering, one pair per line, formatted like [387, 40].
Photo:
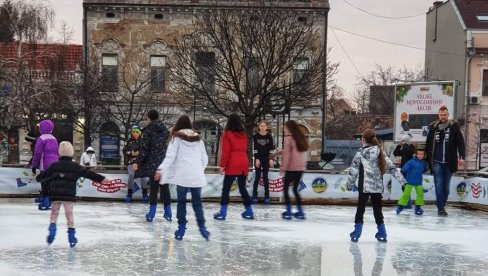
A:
[417, 105]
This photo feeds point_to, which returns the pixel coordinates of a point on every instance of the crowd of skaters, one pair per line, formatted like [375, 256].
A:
[158, 157]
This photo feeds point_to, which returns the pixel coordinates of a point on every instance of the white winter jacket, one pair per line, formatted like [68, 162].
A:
[88, 159]
[185, 161]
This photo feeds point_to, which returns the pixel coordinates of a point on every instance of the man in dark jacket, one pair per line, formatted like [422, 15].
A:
[151, 154]
[444, 142]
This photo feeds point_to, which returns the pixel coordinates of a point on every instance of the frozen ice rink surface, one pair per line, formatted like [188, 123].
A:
[115, 239]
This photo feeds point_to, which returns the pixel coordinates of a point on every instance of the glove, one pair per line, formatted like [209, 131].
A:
[34, 172]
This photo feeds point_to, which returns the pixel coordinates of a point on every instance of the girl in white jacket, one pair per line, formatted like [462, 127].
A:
[184, 165]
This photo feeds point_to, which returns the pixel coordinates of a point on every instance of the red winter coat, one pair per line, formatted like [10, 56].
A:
[234, 153]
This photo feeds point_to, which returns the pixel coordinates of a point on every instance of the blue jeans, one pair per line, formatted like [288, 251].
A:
[196, 201]
[442, 181]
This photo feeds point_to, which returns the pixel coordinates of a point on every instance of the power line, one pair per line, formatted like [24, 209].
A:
[345, 52]
[382, 16]
[395, 43]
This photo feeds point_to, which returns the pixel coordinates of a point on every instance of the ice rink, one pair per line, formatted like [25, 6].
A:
[115, 239]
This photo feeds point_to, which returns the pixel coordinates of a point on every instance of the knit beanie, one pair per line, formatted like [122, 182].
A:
[66, 149]
[135, 128]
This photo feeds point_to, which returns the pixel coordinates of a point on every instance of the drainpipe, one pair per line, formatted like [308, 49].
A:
[467, 82]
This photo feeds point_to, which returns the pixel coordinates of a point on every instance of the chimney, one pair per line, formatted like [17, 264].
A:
[437, 4]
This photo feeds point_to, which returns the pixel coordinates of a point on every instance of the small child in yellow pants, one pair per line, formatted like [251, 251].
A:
[413, 171]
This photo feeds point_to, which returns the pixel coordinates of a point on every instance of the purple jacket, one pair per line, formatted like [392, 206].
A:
[46, 151]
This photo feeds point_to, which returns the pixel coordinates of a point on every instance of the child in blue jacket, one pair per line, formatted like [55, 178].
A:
[413, 170]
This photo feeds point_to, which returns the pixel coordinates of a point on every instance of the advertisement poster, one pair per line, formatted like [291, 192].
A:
[417, 105]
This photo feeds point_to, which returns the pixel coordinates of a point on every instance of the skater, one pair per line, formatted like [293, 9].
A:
[406, 151]
[413, 171]
[88, 158]
[263, 145]
[184, 165]
[131, 151]
[61, 179]
[151, 154]
[370, 164]
[45, 154]
[444, 142]
[234, 163]
[293, 165]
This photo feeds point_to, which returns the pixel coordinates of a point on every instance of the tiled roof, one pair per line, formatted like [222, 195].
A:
[42, 56]
[469, 9]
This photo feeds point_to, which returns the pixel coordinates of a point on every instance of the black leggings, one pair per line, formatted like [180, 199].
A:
[264, 168]
[376, 201]
[292, 177]
[153, 193]
[241, 182]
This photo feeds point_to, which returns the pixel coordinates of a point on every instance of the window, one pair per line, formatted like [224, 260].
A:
[299, 71]
[205, 62]
[482, 17]
[157, 73]
[484, 84]
[110, 73]
[252, 73]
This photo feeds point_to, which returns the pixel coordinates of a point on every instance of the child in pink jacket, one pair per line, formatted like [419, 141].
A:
[293, 165]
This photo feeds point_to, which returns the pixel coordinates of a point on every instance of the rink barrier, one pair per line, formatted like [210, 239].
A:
[314, 185]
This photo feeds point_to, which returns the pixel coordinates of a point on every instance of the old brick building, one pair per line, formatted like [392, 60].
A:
[143, 33]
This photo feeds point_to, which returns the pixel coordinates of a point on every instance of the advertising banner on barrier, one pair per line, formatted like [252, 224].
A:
[313, 185]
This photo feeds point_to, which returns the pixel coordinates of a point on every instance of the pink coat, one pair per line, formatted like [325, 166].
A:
[293, 160]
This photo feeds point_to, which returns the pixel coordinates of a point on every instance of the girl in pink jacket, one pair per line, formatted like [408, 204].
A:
[293, 165]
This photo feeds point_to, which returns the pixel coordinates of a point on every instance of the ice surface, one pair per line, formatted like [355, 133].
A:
[115, 239]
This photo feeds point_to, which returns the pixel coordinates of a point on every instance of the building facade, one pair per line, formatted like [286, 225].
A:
[142, 34]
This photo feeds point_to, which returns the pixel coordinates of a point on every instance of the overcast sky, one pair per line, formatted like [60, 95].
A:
[363, 53]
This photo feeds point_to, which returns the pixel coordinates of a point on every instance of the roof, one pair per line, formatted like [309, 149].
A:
[469, 9]
[42, 56]
[310, 4]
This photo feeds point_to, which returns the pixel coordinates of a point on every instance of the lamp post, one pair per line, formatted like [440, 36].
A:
[195, 88]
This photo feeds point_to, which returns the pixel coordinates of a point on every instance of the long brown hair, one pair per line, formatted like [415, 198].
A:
[297, 134]
[183, 122]
[369, 137]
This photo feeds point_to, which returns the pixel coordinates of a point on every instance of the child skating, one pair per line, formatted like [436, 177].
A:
[60, 179]
[413, 171]
[369, 165]
[292, 166]
[184, 165]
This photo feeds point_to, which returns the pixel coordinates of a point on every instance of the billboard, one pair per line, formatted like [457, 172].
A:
[417, 105]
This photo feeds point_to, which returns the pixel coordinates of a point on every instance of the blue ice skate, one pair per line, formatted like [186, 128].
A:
[52, 233]
[248, 213]
[180, 232]
[222, 213]
[356, 234]
[152, 212]
[71, 237]
[381, 234]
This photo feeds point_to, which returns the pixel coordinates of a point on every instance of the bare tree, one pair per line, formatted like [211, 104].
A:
[28, 21]
[380, 99]
[129, 99]
[254, 62]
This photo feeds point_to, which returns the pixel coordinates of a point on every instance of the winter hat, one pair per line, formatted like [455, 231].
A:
[406, 138]
[135, 128]
[90, 150]
[66, 149]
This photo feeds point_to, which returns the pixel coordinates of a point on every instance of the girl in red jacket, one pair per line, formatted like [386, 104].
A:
[234, 163]
[293, 165]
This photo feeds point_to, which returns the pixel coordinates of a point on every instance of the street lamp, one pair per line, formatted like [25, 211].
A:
[195, 89]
